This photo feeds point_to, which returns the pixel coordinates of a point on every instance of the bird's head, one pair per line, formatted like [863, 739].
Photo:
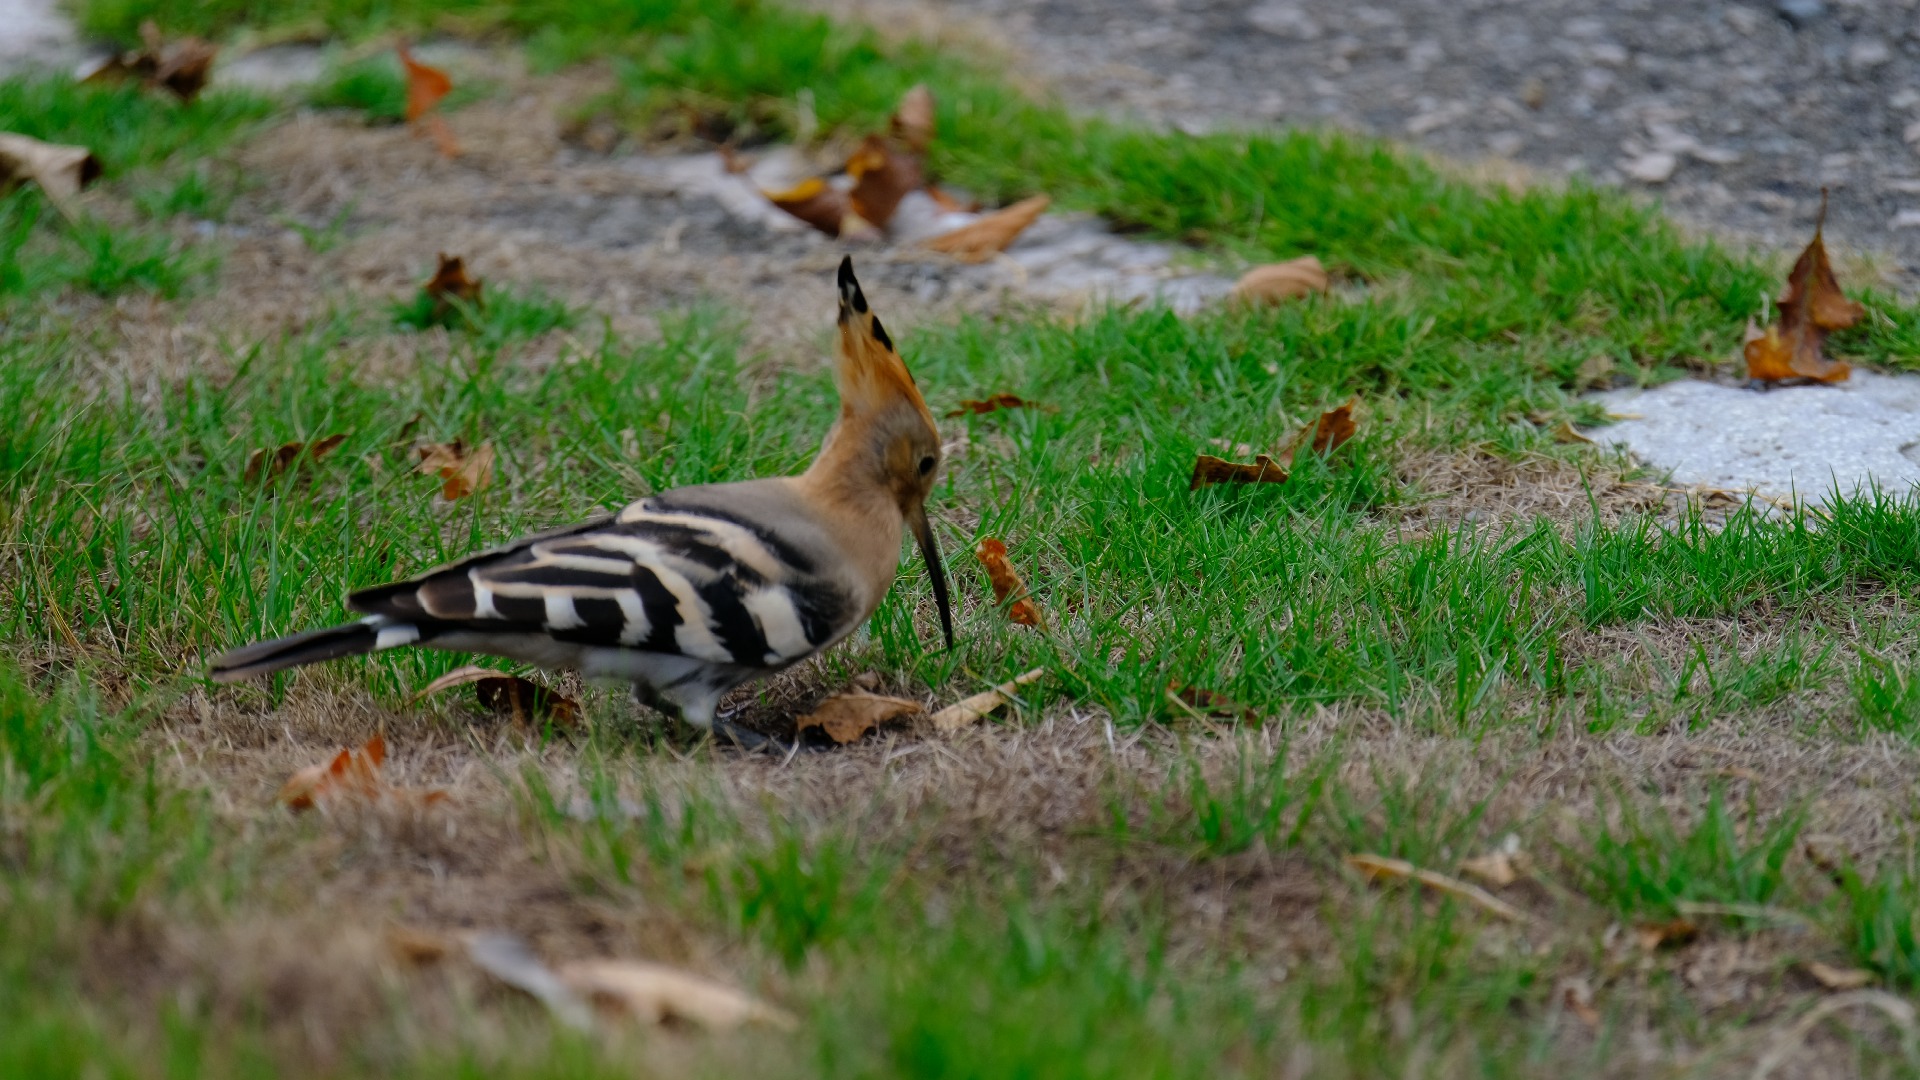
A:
[885, 430]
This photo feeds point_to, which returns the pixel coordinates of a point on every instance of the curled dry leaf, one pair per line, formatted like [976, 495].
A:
[1811, 308]
[846, 718]
[463, 471]
[180, 67]
[267, 464]
[1277, 282]
[1008, 590]
[994, 404]
[426, 86]
[1496, 868]
[1838, 978]
[1670, 934]
[1565, 432]
[968, 710]
[950, 205]
[450, 283]
[352, 776]
[655, 994]
[61, 171]
[1334, 428]
[1209, 470]
[912, 121]
[824, 207]
[883, 174]
[1382, 868]
[983, 239]
[1194, 701]
[523, 700]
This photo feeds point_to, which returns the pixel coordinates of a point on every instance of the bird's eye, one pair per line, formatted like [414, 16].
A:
[926, 465]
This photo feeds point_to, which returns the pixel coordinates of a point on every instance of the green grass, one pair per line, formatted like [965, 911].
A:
[914, 941]
[132, 133]
[1647, 863]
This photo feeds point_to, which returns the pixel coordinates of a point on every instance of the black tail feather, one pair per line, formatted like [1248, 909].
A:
[265, 657]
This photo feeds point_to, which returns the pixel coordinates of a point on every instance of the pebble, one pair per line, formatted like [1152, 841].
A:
[1800, 12]
[1907, 219]
[1652, 168]
[1869, 54]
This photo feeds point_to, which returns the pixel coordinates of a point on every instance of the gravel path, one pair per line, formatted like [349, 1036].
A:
[1732, 112]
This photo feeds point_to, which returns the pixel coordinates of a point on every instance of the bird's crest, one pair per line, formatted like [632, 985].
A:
[869, 373]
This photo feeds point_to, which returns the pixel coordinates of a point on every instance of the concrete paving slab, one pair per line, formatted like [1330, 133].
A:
[1801, 442]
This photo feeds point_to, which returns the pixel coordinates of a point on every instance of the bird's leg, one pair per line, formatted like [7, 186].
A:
[701, 715]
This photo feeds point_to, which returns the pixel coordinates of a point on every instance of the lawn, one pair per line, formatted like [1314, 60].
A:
[1689, 724]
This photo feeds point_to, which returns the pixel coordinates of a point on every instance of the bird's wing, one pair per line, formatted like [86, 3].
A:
[696, 583]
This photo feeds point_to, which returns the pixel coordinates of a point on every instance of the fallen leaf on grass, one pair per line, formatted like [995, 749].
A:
[1837, 978]
[1008, 590]
[1209, 470]
[1812, 307]
[271, 463]
[61, 171]
[1207, 703]
[426, 86]
[968, 710]
[1330, 431]
[824, 207]
[450, 283]
[351, 776]
[521, 699]
[1670, 934]
[1565, 432]
[655, 994]
[845, 718]
[883, 174]
[981, 240]
[1498, 868]
[1276, 282]
[994, 404]
[1382, 868]
[912, 120]
[180, 67]
[463, 471]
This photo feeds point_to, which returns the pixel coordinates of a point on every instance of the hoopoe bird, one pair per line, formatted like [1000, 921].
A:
[695, 591]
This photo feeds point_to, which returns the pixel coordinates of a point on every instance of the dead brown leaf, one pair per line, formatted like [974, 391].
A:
[352, 776]
[1498, 868]
[1008, 590]
[180, 67]
[994, 404]
[1277, 282]
[450, 283]
[846, 718]
[463, 471]
[883, 174]
[61, 171]
[655, 994]
[1811, 308]
[1209, 470]
[1381, 868]
[950, 205]
[912, 121]
[1334, 428]
[981, 240]
[520, 699]
[968, 710]
[824, 207]
[426, 86]
[1671, 934]
[265, 463]
[1565, 432]
[1838, 978]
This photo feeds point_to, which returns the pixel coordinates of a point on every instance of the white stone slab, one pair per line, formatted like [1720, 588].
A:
[1801, 441]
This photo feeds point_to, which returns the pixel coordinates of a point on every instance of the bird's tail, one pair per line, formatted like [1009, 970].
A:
[311, 647]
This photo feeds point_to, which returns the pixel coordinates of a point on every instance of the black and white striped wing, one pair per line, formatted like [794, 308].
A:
[692, 584]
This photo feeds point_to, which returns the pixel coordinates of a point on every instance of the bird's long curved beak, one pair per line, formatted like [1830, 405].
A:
[923, 532]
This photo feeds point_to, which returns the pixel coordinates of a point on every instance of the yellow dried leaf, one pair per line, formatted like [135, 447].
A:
[61, 171]
[981, 240]
[655, 993]
[463, 472]
[1838, 978]
[966, 711]
[1277, 282]
[1382, 868]
[351, 776]
[845, 718]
